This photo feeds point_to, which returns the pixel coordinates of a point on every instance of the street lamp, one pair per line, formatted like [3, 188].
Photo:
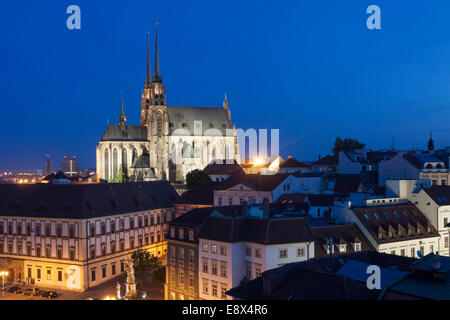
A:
[3, 274]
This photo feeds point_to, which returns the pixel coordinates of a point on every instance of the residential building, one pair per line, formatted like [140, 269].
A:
[183, 269]
[414, 166]
[75, 237]
[434, 203]
[253, 188]
[399, 229]
[291, 165]
[328, 164]
[236, 249]
[221, 170]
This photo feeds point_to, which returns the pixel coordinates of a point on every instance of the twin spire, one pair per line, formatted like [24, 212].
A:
[156, 76]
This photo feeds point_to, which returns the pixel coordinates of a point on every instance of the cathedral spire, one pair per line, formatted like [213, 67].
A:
[431, 142]
[156, 76]
[122, 117]
[149, 75]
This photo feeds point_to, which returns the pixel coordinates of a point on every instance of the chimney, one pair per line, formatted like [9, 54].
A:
[266, 208]
[245, 209]
[436, 263]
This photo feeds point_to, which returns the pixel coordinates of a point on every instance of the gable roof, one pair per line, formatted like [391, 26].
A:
[126, 133]
[222, 168]
[327, 160]
[212, 118]
[251, 229]
[292, 198]
[200, 195]
[258, 182]
[439, 194]
[385, 219]
[347, 234]
[82, 201]
[292, 163]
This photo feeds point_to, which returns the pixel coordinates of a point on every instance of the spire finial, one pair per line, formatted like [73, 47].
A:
[431, 142]
[149, 75]
[122, 118]
[156, 52]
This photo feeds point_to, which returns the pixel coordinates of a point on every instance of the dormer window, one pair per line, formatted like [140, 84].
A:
[429, 166]
[380, 235]
[342, 248]
[357, 246]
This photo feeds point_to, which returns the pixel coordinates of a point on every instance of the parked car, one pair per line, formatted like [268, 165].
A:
[31, 292]
[49, 294]
[14, 289]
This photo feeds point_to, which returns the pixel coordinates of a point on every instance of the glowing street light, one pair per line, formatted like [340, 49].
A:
[109, 298]
[3, 274]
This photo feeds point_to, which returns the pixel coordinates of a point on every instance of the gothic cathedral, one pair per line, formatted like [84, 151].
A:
[170, 140]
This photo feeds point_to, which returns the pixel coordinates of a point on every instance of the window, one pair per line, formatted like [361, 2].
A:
[10, 228]
[172, 232]
[230, 201]
[301, 252]
[38, 273]
[258, 270]
[223, 290]
[92, 229]
[93, 275]
[181, 254]
[282, 253]
[223, 251]
[357, 246]
[205, 247]
[38, 229]
[191, 255]
[131, 223]
[112, 226]
[72, 253]
[191, 235]
[213, 248]
[113, 247]
[113, 269]
[248, 251]
[19, 248]
[49, 274]
[205, 286]
[422, 251]
[121, 225]
[59, 275]
[145, 221]
[104, 272]
[223, 269]
[445, 222]
[103, 248]
[393, 252]
[205, 266]
[48, 230]
[71, 231]
[431, 248]
[28, 248]
[1, 228]
[445, 242]
[181, 277]
[59, 252]
[214, 290]
[103, 228]
[92, 252]
[29, 272]
[402, 252]
[258, 252]
[122, 266]
[38, 251]
[219, 201]
[214, 268]
[413, 252]
[248, 270]
[181, 233]
[19, 227]
[139, 222]
[131, 242]
[58, 230]
[48, 251]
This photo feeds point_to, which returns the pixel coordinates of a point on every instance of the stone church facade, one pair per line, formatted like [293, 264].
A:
[170, 140]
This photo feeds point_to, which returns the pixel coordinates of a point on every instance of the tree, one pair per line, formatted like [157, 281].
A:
[147, 267]
[121, 176]
[348, 144]
[195, 178]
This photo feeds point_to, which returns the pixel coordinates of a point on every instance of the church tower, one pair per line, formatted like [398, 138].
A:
[154, 114]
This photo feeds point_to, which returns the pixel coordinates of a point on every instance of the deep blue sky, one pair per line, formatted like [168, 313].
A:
[310, 68]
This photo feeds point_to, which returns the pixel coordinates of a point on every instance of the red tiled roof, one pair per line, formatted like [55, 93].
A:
[224, 168]
[347, 234]
[292, 163]
[321, 200]
[386, 219]
[257, 181]
[329, 159]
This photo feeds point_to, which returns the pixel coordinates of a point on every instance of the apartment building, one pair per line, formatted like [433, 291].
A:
[75, 237]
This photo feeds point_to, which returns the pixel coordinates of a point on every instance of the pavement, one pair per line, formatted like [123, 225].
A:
[154, 292]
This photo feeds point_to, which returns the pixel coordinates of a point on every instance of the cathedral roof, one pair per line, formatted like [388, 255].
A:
[125, 133]
[211, 118]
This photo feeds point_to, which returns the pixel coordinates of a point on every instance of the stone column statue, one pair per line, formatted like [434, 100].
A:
[131, 282]
[119, 297]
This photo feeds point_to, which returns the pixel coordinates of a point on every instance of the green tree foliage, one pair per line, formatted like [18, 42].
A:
[121, 176]
[147, 267]
[348, 144]
[195, 178]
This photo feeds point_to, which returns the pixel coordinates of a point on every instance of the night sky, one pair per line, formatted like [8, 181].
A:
[310, 68]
